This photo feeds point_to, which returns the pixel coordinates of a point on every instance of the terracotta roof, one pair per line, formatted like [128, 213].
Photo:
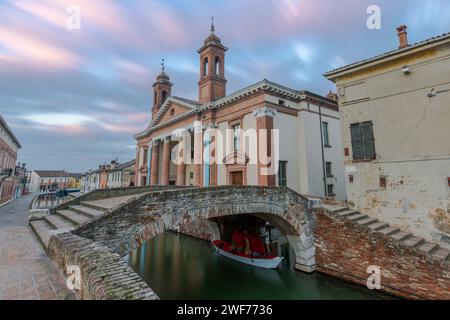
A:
[124, 165]
[389, 53]
[51, 173]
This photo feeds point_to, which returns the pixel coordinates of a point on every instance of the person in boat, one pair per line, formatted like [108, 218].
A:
[255, 244]
[238, 240]
[265, 235]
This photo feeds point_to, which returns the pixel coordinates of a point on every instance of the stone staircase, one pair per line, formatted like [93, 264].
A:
[406, 238]
[72, 217]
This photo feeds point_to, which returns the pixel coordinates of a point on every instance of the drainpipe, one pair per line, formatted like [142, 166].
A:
[323, 152]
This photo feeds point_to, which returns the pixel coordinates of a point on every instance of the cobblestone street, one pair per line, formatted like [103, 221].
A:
[26, 273]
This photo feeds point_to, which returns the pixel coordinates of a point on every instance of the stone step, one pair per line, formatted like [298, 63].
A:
[346, 213]
[335, 209]
[378, 226]
[427, 247]
[401, 235]
[389, 230]
[87, 211]
[367, 221]
[413, 241]
[441, 253]
[57, 222]
[41, 229]
[357, 217]
[94, 205]
[73, 217]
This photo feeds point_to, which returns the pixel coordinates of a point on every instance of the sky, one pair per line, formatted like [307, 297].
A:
[76, 97]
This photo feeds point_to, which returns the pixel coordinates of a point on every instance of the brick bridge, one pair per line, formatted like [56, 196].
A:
[331, 239]
[153, 213]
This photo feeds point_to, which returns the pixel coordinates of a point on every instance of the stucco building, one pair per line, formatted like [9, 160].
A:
[9, 148]
[47, 180]
[265, 134]
[395, 118]
[121, 175]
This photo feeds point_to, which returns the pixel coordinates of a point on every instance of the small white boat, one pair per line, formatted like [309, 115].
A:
[267, 262]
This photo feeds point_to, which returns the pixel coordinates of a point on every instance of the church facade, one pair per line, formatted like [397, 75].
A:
[265, 134]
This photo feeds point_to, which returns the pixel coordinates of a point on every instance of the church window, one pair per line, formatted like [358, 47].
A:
[217, 65]
[205, 67]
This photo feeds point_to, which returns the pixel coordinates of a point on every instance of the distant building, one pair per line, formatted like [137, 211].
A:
[47, 180]
[74, 181]
[9, 148]
[122, 175]
[395, 120]
[94, 181]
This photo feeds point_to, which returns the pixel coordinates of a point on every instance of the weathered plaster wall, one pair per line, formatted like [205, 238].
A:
[411, 116]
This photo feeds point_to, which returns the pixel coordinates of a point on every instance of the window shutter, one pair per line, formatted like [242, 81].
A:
[369, 145]
[357, 145]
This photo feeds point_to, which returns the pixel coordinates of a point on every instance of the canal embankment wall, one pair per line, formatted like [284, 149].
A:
[346, 250]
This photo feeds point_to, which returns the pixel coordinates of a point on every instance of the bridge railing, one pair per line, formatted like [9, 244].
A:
[111, 193]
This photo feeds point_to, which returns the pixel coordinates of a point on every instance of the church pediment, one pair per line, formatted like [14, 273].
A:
[171, 109]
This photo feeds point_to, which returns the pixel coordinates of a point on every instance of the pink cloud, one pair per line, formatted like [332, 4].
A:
[22, 46]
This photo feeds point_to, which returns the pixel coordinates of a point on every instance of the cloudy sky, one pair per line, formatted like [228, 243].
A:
[75, 98]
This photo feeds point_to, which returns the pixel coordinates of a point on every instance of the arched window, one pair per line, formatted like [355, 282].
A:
[155, 98]
[164, 97]
[205, 67]
[217, 65]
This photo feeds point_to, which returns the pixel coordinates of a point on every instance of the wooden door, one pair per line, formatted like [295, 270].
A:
[237, 178]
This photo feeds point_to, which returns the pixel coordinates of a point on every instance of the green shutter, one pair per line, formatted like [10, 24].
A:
[357, 143]
[368, 140]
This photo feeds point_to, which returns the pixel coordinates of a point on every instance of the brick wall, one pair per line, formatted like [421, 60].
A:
[345, 250]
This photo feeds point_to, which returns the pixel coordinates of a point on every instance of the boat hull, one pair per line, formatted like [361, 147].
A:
[266, 263]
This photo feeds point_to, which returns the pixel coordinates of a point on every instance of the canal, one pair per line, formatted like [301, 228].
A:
[176, 266]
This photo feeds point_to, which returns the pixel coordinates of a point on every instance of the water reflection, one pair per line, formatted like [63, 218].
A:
[181, 267]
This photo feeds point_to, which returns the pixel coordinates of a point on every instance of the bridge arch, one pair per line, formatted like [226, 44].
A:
[130, 226]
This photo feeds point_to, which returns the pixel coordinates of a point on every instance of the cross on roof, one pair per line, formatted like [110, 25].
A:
[212, 25]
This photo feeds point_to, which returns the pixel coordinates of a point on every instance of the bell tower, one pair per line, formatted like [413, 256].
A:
[212, 84]
[162, 89]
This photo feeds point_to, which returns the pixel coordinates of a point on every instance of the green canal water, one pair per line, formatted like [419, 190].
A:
[176, 266]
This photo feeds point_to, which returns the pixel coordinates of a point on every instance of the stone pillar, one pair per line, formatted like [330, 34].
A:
[181, 169]
[198, 153]
[154, 171]
[264, 125]
[165, 174]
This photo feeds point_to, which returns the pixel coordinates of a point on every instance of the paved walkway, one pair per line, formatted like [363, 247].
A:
[26, 272]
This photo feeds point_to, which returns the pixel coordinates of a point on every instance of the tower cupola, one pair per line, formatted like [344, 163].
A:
[212, 83]
[162, 89]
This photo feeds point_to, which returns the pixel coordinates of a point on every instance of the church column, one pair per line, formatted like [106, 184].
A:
[181, 169]
[149, 163]
[136, 167]
[154, 170]
[166, 162]
[264, 124]
[198, 153]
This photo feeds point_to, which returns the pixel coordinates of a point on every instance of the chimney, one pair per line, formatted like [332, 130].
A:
[402, 36]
